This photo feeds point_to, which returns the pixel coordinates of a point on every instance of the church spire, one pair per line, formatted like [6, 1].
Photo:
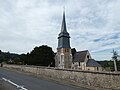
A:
[63, 27]
[63, 57]
[63, 38]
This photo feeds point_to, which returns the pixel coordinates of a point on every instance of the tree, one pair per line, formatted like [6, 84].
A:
[42, 55]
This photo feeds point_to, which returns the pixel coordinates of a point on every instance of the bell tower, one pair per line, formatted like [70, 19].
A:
[63, 57]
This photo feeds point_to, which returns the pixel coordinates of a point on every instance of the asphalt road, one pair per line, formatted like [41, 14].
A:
[30, 82]
[6, 86]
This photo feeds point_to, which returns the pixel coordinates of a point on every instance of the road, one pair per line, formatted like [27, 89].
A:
[30, 82]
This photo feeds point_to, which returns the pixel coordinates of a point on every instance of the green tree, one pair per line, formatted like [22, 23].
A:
[42, 55]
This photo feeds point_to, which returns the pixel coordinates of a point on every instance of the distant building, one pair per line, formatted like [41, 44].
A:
[70, 58]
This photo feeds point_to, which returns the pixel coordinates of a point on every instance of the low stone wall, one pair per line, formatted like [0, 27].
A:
[106, 80]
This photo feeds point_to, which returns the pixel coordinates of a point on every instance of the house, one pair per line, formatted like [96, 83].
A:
[82, 60]
[70, 58]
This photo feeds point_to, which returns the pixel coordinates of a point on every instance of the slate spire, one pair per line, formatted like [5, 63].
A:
[63, 27]
[63, 38]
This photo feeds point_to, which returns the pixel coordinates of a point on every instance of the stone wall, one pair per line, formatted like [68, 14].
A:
[105, 80]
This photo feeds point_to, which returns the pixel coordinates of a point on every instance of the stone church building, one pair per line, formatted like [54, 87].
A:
[70, 58]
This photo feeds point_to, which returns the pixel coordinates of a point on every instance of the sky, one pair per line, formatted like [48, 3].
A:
[93, 25]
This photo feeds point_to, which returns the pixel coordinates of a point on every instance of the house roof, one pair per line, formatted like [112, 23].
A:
[92, 63]
[79, 56]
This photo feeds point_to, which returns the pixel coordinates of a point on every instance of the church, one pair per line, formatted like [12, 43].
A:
[67, 57]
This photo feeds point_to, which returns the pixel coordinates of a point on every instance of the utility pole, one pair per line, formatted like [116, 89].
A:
[115, 58]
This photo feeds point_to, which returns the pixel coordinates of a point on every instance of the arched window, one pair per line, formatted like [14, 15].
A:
[88, 56]
[62, 60]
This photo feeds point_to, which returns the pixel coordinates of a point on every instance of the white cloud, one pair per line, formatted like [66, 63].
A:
[93, 25]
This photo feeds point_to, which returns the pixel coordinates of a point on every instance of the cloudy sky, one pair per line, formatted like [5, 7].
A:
[93, 25]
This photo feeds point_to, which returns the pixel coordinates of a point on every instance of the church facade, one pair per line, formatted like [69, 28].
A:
[70, 58]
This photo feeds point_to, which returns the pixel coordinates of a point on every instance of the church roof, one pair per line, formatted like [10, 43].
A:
[79, 56]
[64, 32]
[92, 63]
[63, 37]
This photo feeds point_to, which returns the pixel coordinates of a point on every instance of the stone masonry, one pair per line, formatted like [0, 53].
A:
[105, 80]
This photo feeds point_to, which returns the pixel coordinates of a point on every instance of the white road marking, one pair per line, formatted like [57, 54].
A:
[18, 86]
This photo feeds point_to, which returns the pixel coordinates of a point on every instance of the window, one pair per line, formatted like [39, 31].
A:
[88, 56]
[62, 59]
[79, 63]
[97, 68]
[66, 50]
